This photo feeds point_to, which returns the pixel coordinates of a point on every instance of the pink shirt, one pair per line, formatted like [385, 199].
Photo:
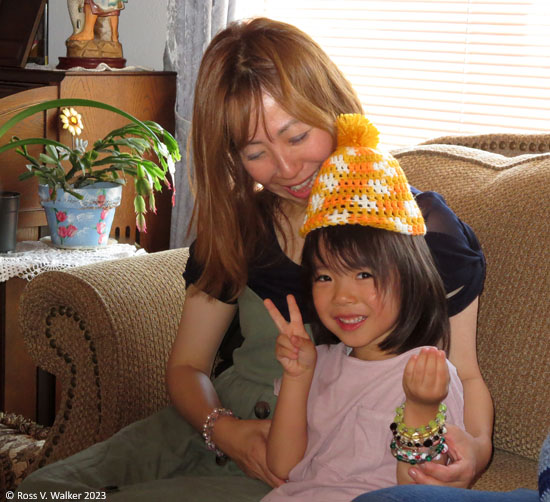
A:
[350, 407]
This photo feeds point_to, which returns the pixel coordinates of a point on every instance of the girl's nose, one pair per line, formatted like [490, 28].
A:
[344, 295]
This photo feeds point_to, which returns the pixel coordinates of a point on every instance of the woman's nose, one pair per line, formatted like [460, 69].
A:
[287, 166]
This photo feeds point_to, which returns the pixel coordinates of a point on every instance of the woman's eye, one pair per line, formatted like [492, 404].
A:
[364, 275]
[297, 139]
[253, 156]
[322, 278]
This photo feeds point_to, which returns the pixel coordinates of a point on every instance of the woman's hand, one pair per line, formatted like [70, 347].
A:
[244, 441]
[460, 473]
[294, 349]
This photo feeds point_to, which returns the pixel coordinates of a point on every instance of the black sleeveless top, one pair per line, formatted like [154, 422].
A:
[453, 244]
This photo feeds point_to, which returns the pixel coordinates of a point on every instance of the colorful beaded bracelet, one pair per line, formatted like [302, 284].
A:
[419, 433]
[414, 456]
[408, 441]
[208, 427]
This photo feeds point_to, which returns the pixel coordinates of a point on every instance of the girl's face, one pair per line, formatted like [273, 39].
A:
[284, 157]
[350, 306]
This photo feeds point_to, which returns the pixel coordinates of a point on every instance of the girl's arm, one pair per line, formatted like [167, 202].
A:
[287, 440]
[426, 385]
[470, 450]
[203, 324]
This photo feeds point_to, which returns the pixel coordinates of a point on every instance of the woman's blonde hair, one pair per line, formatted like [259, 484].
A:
[231, 216]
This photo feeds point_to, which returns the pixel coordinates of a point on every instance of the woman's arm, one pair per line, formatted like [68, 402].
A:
[203, 324]
[470, 450]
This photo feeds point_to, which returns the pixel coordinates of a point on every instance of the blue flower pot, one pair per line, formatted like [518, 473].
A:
[81, 224]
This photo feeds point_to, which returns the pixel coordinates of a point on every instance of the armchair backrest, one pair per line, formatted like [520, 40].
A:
[506, 200]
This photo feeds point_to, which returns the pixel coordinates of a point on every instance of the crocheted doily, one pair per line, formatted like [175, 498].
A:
[34, 257]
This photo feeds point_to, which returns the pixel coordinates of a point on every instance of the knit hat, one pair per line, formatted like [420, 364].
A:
[358, 185]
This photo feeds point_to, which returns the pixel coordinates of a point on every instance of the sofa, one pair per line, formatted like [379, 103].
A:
[105, 330]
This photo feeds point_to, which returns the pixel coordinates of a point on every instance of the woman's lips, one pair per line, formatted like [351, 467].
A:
[303, 189]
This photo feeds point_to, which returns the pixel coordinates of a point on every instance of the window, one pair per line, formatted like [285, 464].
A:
[433, 68]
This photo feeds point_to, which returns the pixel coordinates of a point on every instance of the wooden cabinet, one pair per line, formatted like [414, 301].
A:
[147, 95]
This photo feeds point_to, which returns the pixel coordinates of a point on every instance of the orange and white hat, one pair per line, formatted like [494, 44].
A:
[359, 185]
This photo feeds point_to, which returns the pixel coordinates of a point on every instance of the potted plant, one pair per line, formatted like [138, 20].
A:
[73, 177]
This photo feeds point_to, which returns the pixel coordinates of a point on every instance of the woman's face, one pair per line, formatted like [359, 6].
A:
[285, 156]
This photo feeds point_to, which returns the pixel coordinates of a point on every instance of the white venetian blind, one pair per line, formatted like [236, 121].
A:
[433, 68]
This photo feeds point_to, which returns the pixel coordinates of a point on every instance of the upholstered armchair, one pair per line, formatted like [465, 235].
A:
[105, 330]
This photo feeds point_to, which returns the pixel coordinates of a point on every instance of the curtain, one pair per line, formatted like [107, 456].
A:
[191, 26]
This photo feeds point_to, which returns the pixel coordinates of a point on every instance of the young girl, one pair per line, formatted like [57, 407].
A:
[376, 289]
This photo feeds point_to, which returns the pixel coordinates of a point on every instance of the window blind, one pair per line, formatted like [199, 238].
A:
[433, 68]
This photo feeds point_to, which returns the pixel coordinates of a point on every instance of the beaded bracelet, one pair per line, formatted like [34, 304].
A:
[208, 427]
[408, 441]
[419, 434]
[414, 456]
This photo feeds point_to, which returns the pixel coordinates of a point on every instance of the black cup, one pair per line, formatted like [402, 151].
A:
[9, 209]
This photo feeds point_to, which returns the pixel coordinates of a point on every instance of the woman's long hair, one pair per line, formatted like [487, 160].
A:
[231, 216]
[401, 264]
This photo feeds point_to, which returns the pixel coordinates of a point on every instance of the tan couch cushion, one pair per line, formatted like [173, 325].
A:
[507, 202]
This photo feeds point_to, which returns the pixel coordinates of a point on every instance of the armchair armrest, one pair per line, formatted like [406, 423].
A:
[105, 331]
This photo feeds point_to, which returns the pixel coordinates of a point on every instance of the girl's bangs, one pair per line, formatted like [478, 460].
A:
[353, 247]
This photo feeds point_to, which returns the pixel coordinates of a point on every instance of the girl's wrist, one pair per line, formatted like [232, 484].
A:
[416, 414]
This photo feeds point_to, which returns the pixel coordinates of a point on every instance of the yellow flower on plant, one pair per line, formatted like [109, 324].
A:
[72, 120]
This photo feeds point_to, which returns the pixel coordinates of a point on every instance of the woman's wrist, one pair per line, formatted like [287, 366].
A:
[208, 428]
[223, 433]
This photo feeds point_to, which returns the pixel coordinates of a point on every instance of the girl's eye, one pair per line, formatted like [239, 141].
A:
[322, 278]
[364, 275]
[297, 139]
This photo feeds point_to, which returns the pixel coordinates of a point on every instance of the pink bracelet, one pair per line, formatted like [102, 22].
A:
[208, 427]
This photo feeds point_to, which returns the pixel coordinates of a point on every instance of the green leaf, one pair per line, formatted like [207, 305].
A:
[26, 176]
[139, 204]
[46, 159]
[31, 141]
[68, 102]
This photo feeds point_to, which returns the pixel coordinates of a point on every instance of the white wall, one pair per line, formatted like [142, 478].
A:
[142, 32]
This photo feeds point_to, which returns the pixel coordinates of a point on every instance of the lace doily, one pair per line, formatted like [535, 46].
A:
[34, 257]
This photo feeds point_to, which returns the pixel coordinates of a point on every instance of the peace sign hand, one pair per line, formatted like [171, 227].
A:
[294, 349]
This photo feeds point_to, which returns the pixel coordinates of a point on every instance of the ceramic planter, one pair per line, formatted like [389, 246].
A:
[81, 224]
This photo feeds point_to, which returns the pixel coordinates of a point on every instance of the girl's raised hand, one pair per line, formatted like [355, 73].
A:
[426, 377]
[294, 349]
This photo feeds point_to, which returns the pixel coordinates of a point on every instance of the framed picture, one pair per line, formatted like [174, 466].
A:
[19, 23]
[39, 48]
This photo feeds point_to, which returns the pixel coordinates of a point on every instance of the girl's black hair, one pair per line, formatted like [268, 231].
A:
[398, 262]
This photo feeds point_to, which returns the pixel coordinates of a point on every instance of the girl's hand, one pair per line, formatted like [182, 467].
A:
[426, 378]
[245, 442]
[294, 349]
[460, 472]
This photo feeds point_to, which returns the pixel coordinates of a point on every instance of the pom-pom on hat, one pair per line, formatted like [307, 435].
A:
[359, 185]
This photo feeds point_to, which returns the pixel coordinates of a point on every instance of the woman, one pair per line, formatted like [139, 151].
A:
[266, 100]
